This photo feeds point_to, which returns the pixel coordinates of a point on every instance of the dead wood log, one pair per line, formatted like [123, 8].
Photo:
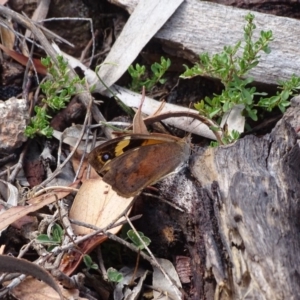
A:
[279, 8]
[240, 225]
[199, 26]
[258, 208]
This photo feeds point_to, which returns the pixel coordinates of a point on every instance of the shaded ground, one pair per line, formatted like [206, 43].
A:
[160, 222]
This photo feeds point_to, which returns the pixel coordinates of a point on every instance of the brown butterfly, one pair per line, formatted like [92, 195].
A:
[132, 162]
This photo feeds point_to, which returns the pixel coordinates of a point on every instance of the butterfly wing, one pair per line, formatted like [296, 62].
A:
[134, 170]
[130, 163]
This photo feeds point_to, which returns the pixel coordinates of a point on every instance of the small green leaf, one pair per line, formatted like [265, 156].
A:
[114, 276]
[57, 232]
[285, 103]
[214, 144]
[252, 113]
[162, 81]
[43, 238]
[214, 128]
[155, 68]
[267, 49]
[247, 96]
[214, 112]
[89, 262]
[138, 75]
[136, 241]
[46, 61]
[285, 95]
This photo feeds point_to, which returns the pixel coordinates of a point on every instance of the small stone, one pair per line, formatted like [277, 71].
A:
[14, 117]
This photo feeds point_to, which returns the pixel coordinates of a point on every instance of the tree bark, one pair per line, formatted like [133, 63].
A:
[255, 194]
[199, 26]
[240, 223]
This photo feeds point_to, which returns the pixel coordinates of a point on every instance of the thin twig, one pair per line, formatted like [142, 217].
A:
[209, 123]
[99, 231]
[90, 226]
[87, 130]
[19, 165]
[164, 200]
[68, 188]
[84, 51]
[101, 263]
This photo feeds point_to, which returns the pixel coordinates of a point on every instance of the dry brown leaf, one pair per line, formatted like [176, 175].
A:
[7, 35]
[71, 260]
[33, 289]
[97, 204]
[17, 212]
[23, 60]
[138, 123]
[9, 264]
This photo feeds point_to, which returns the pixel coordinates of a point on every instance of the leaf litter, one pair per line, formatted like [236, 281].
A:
[95, 203]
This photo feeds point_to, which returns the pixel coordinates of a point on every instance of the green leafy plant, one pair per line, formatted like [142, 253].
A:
[54, 239]
[114, 275]
[287, 89]
[228, 138]
[58, 90]
[136, 240]
[89, 262]
[139, 79]
[231, 66]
